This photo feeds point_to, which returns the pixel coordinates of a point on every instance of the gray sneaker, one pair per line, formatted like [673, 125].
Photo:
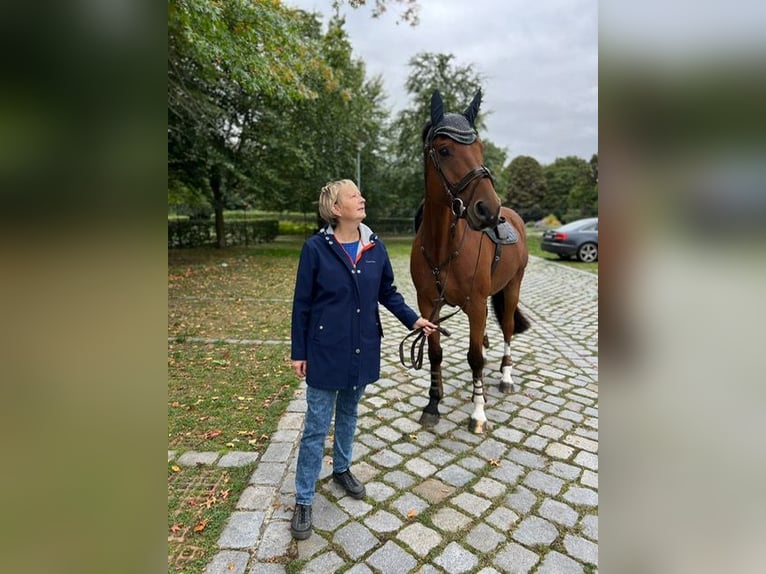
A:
[300, 526]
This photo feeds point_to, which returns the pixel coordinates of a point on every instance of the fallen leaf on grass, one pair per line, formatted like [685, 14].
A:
[175, 468]
[412, 513]
[212, 433]
[494, 462]
[201, 526]
[176, 528]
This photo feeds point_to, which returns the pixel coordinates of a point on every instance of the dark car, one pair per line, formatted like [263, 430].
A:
[578, 238]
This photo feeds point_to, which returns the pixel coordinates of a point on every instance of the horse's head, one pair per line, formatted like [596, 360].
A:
[451, 143]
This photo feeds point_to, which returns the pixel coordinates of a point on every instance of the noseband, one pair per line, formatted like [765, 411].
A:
[454, 190]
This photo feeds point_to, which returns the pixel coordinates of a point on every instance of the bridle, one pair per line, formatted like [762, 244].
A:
[457, 205]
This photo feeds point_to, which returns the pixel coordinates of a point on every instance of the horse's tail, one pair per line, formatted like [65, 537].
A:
[520, 321]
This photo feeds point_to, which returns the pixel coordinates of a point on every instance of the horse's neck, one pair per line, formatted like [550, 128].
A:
[438, 233]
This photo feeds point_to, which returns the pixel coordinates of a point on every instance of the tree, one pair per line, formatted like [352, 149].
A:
[561, 177]
[224, 59]
[527, 187]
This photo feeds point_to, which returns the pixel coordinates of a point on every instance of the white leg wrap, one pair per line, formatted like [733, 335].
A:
[506, 371]
[478, 402]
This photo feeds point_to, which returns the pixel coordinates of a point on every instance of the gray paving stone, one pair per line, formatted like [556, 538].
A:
[382, 521]
[378, 491]
[406, 448]
[324, 564]
[534, 530]
[359, 569]
[392, 559]
[473, 463]
[558, 512]
[527, 459]
[502, 518]
[275, 541]
[326, 515]
[355, 540]
[521, 500]
[489, 488]
[455, 559]
[546, 483]
[241, 530]
[587, 459]
[491, 448]
[257, 498]
[581, 549]
[420, 539]
[535, 442]
[450, 520]
[312, 546]
[398, 479]
[557, 563]
[589, 526]
[291, 421]
[550, 432]
[266, 568]
[387, 458]
[455, 475]
[483, 538]
[581, 496]
[194, 458]
[437, 456]
[564, 470]
[405, 425]
[470, 503]
[454, 446]
[387, 433]
[515, 559]
[590, 478]
[408, 503]
[508, 435]
[228, 562]
[420, 467]
[524, 424]
[237, 458]
[268, 473]
[507, 473]
[355, 508]
[277, 452]
[558, 450]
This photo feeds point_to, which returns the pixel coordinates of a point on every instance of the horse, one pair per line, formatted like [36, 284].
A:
[454, 260]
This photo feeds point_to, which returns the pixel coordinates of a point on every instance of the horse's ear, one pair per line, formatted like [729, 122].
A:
[472, 110]
[437, 108]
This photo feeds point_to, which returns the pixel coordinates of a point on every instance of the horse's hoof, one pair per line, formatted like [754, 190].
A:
[478, 427]
[506, 388]
[429, 420]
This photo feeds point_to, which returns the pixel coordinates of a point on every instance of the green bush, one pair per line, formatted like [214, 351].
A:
[197, 233]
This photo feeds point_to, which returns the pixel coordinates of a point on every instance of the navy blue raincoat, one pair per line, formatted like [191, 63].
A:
[336, 324]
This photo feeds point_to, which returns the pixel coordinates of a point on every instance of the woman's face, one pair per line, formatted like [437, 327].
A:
[350, 204]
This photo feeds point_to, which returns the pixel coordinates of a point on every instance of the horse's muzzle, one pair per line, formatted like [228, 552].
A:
[481, 216]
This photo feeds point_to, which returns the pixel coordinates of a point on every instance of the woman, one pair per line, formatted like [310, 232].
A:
[343, 273]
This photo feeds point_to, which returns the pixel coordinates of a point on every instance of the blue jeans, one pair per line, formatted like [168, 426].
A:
[320, 406]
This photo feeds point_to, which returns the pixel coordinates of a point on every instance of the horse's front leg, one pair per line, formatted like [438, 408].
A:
[430, 416]
[478, 321]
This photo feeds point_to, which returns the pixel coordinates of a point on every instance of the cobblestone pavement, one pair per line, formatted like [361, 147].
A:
[521, 498]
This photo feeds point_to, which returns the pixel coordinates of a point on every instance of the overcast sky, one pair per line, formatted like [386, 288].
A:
[539, 61]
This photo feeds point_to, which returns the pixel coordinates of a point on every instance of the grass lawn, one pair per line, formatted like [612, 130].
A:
[223, 397]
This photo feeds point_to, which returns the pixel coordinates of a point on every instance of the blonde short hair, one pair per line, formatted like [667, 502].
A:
[329, 197]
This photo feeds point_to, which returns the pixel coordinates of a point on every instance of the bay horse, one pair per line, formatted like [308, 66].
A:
[455, 262]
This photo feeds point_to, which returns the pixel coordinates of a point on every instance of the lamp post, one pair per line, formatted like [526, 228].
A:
[359, 147]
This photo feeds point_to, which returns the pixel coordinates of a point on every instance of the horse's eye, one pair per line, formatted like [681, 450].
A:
[444, 151]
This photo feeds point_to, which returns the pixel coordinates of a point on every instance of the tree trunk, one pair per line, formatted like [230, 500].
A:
[216, 184]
